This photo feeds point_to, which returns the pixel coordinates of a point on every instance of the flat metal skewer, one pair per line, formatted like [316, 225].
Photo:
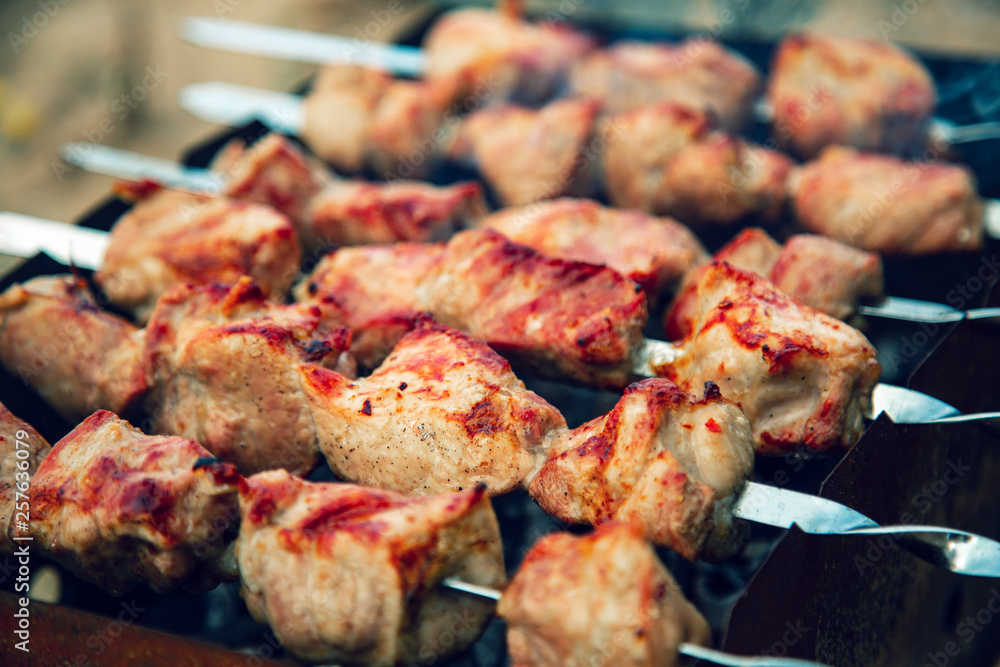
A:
[690, 650]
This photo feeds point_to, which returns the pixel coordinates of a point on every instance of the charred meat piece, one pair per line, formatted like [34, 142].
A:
[699, 73]
[22, 450]
[869, 94]
[527, 155]
[602, 599]
[172, 238]
[338, 116]
[557, 317]
[827, 275]
[520, 61]
[351, 575]
[410, 127]
[668, 160]
[443, 413]
[884, 204]
[375, 289]
[654, 252]
[800, 377]
[225, 370]
[120, 508]
[661, 458]
[55, 338]
[357, 212]
[331, 211]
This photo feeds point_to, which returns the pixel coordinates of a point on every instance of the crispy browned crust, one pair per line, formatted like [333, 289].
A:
[557, 317]
[120, 508]
[662, 458]
[829, 90]
[79, 358]
[173, 237]
[887, 205]
[667, 159]
[443, 413]
[801, 377]
[654, 252]
[22, 450]
[602, 599]
[224, 365]
[351, 575]
[822, 273]
[699, 73]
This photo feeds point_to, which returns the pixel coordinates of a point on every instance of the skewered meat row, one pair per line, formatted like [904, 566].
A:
[443, 413]
[120, 508]
[215, 363]
[300, 547]
[330, 211]
[351, 575]
[481, 284]
[827, 275]
[22, 449]
[598, 599]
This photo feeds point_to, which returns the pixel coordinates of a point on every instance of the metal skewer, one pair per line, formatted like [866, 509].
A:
[126, 164]
[690, 650]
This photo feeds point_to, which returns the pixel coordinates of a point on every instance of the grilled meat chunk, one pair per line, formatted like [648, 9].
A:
[668, 160]
[173, 237]
[558, 317]
[374, 288]
[526, 155]
[522, 62]
[120, 508]
[410, 127]
[827, 275]
[800, 377]
[654, 252]
[357, 212]
[333, 211]
[337, 118]
[351, 575]
[225, 370]
[22, 450]
[443, 413]
[869, 94]
[78, 358]
[595, 600]
[699, 73]
[661, 458]
[886, 205]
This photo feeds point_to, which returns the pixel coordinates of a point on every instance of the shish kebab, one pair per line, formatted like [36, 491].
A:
[444, 413]
[655, 252]
[823, 90]
[120, 508]
[568, 319]
[664, 159]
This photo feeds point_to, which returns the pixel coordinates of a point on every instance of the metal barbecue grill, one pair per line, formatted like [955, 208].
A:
[838, 600]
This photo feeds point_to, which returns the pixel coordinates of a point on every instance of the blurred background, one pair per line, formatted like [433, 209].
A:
[108, 71]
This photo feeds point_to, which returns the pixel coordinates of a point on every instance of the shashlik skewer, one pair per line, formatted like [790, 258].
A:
[828, 89]
[371, 300]
[654, 252]
[669, 161]
[336, 519]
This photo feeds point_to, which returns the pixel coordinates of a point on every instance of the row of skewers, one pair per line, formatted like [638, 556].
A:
[265, 386]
